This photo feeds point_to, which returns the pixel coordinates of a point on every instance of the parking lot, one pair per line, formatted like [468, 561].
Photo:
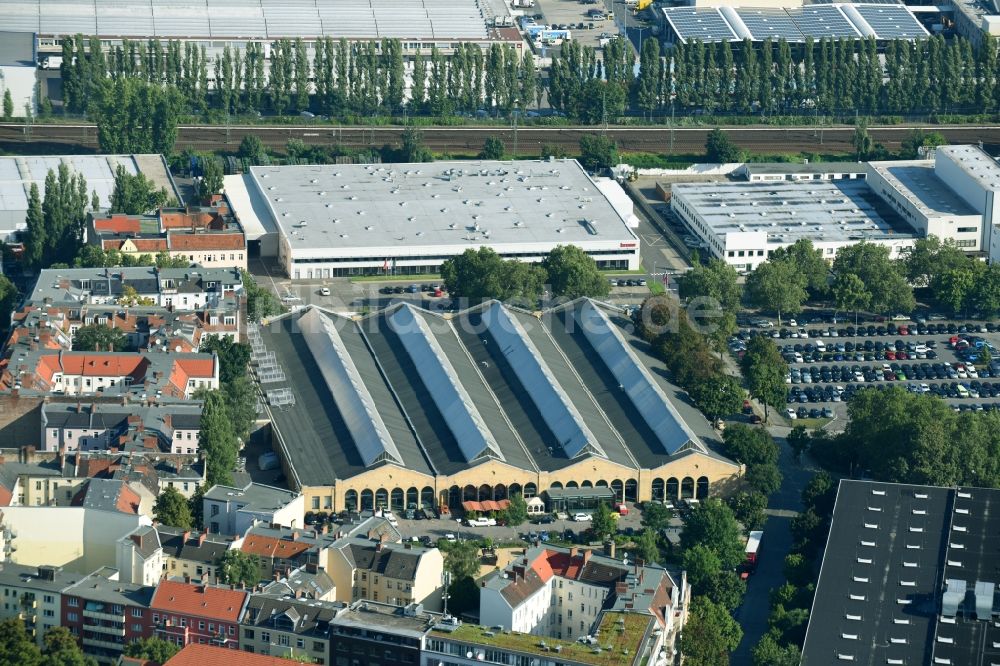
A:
[571, 15]
[830, 363]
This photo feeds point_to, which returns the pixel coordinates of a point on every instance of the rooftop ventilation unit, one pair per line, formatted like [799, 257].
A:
[984, 600]
[953, 597]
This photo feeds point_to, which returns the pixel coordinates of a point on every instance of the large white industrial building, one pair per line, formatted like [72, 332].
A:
[952, 196]
[406, 219]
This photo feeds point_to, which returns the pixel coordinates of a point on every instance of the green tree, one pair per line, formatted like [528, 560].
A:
[135, 194]
[748, 508]
[864, 146]
[241, 406]
[656, 516]
[572, 273]
[61, 649]
[798, 439]
[850, 293]
[797, 570]
[252, 150]
[461, 559]
[646, 547]
[17, 648]
[517, 512]
[37, 238]
[917, 139]
[236, 567]
[769, 652]
[414, 149]
[482, 274]
[749, 445]
[764, 372]
[931, 256]
[777, 286]
[702, 565]
[713, 525]
[153, 649]
[8, 297]
[764, 479]
[233, 356]
[99, 337]
[8, 105]
[719, 395]
[493, 149]
[954, 287]
[710, 634]
[808, 262]
[197, 507]
[261, 303]
[463, 595]
[172, 509]
[211, 177]
[716, 280]
[604, 522]
[217, 440]
[598, 152]
[882, 277]
[720, 149]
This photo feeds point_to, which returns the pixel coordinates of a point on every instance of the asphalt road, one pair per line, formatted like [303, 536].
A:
[530, 139]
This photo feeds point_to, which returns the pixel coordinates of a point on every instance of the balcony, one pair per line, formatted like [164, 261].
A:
[101, 615]
[103, 629]
[107, 645]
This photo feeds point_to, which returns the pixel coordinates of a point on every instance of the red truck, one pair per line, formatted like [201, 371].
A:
[752, 550]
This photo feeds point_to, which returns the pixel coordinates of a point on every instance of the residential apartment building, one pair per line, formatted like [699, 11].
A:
[139, 375]
[34, 595]
[107, 614]
[377, 634]
[278, 550]
[179, 288]
[398, 574]
[192, 556]
[562, 592]
[287, 627]
[230, 510]
[185, 613]
[97, 426]
[112, 495]
[139, 557]
[209, 236]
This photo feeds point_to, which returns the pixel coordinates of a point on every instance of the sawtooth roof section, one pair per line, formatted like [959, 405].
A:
[442, 382]
[356, 405]
[647, 397]
[559, 413]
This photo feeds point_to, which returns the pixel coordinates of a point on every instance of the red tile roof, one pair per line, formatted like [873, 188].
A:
[186, 242]
[117, 224]
[218, 603]
[266, 546]
[197, 654]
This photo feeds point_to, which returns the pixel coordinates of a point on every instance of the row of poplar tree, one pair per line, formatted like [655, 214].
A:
[372, 78]
[829, 76]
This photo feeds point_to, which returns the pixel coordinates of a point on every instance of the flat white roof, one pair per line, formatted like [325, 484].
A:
[823, 211]
[248, 206]
[975, 162]
[916, 181]
[438, 204]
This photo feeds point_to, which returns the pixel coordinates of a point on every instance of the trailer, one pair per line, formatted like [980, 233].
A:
[752, 551]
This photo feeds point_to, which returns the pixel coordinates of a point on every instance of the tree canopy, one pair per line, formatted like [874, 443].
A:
[720, 148]
[713, 525]
[572, 273]
[764, 371]
[710, 634]
[99, 337]
[236, 567]
[482, 274]
[885, 284]
[172, 509]
[154, 649]
[777, 286]
[598, 152]
[135, 194]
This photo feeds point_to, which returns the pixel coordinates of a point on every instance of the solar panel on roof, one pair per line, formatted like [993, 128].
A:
[705, 24]
[557, 410]
[823, 21]
[891, 21]
[770, 23]
[645, 394]
[444, 386]
[354, 401]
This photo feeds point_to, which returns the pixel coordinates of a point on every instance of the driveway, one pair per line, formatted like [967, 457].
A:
[785, 504]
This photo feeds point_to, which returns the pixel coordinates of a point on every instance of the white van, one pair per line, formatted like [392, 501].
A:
[820, 345]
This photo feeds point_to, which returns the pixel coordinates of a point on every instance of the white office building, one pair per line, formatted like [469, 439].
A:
[405, 219]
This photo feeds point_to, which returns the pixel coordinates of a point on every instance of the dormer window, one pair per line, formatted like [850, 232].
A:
[85, 284]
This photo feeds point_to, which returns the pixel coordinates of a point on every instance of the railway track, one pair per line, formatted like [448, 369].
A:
[463, 140]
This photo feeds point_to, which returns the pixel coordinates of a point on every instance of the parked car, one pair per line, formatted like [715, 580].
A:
[581, 517]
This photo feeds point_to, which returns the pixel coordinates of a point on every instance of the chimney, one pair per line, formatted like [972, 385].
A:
[586, 556]
[609, 548]
[79, 408]
[277, 576]
[573, 552]
[311, 567]
[378, 547]
[295, 535]
[201, 537]
[186, 536]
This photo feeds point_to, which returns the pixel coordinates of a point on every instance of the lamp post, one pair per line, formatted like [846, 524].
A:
[517, 103]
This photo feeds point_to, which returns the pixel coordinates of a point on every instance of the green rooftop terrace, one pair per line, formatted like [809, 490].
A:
[620, 639]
